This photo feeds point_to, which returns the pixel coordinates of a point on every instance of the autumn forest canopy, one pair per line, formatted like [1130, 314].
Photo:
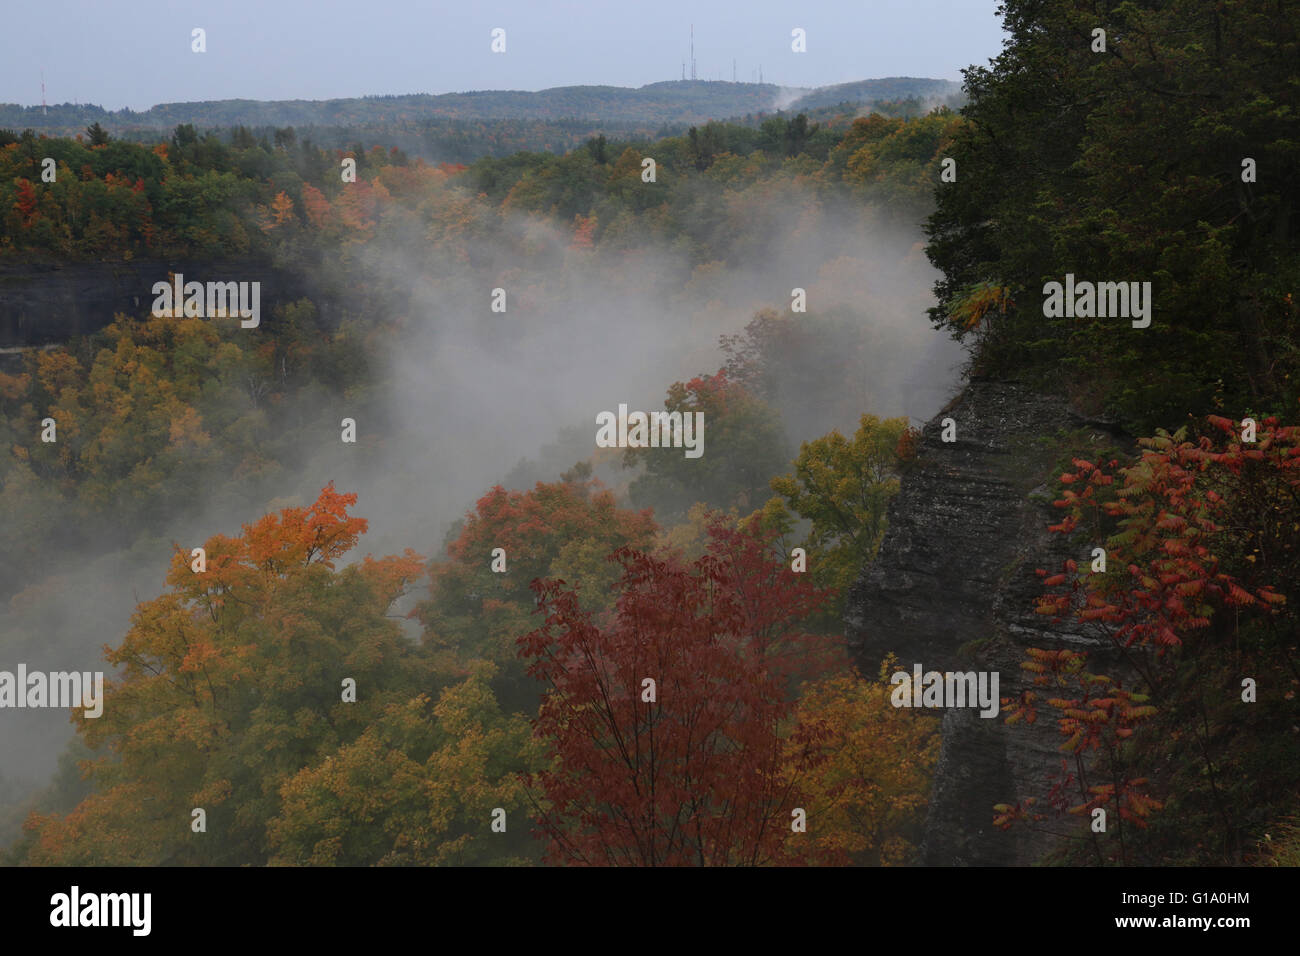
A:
[456, 631]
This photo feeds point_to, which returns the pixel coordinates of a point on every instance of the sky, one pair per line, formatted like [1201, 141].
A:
[137, 53]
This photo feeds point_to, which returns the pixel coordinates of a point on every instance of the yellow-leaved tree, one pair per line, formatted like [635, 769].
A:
[867, 787]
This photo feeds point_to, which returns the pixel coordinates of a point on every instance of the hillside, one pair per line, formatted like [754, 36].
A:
[671, 102]
[642, 650]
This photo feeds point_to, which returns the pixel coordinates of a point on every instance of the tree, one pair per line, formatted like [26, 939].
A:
[843, 486]
[704, 145]
[184, 136]
[772, 136]
[797, 134]
[598, 148]
[690, 770]
[1098, 773]
[317, 208]
[818, 369]
[1185, 516]
[897, 164]
[1063, 168]
[1199, 539]
[561, 530]
[744, 443]
[25, 203]
[281, 209]
[867, 793]
[584, 227]
[98, 135]
[417, 788]
[231, 684]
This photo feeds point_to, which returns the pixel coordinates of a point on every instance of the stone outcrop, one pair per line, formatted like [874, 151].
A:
[953, 588]
[46, 302]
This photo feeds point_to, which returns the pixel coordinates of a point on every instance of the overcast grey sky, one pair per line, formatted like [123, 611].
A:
[136, 53]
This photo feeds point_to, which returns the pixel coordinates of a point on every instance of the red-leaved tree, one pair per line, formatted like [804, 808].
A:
[1198, 536]
[691, 769]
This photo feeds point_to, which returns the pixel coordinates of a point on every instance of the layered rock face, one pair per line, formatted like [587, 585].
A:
[953, 588]
[44, 303]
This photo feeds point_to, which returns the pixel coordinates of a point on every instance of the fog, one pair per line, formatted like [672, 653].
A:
[470, 398]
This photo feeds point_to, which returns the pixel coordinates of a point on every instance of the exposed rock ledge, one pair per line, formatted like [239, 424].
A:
[49, 302]
[953, 587]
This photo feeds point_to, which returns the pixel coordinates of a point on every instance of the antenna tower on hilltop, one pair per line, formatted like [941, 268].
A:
[692, 51]
[44, 111]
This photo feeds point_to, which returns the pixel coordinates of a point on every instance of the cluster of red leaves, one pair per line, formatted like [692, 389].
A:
[1099, 717]
[907, 444]
[698, 776]
[1183, 514]
[26, 203]
[584, 229]
[1169, 519]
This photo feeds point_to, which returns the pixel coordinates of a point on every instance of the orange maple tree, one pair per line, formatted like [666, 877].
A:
[230, 685]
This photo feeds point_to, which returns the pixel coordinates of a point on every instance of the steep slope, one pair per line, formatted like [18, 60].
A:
[953, 587]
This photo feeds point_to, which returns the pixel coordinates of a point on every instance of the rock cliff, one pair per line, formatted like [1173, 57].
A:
[46, 302]
[953, 588]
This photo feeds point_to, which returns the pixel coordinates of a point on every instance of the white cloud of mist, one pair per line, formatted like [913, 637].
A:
[467, 393]
[786, 96]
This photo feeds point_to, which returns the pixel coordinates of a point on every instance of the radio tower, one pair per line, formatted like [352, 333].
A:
[692, 51]
[44, 111]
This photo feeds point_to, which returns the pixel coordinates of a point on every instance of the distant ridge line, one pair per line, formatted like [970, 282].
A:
[665, 101]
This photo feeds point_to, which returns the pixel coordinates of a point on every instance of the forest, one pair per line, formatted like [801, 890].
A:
[164, 421]
[574, 655]
[678, 102]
